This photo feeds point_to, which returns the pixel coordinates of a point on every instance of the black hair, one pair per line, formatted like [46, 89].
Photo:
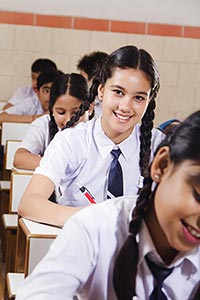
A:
[91, 63]
[41, 64]
[47, 76]
[184, 144]
[73, 84]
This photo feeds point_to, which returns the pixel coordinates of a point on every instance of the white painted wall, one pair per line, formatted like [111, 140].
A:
[183, 12]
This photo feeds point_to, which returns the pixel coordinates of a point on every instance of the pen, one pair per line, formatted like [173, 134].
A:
[87, 194]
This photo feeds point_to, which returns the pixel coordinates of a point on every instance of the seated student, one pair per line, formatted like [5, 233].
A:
[89, 65]
[37, 67]
[67, 93]
[82, 158]
[125, 241]
[29, 109]
[168, 125]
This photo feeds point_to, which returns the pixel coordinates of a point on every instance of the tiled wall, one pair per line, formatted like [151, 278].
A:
[176, 49]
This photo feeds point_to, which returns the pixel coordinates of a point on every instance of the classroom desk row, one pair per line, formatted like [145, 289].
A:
[33, 241]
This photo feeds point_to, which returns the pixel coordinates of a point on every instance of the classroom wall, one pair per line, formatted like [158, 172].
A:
[176, 50]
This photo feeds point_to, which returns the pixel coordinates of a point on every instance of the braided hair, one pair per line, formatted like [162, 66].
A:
[73, 84]
[184, 144]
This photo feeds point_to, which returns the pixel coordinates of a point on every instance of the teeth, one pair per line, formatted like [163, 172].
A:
[122, 117]
[193, 232]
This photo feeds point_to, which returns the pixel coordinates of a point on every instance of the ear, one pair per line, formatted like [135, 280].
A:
[100, 92]
[160, 164]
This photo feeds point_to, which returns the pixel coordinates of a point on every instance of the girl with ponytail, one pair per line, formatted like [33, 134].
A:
[80, 158]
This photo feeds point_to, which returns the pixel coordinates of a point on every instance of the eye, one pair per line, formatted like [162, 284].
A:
[118, 92]
[139, 98]
[45, 90]
[196, 195]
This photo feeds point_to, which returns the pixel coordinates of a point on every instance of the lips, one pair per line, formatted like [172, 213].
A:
[192, 231]
[122, 117]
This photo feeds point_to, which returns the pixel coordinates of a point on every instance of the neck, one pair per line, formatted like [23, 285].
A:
[163, 248]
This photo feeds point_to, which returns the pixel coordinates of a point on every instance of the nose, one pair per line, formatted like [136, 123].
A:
[125, 104]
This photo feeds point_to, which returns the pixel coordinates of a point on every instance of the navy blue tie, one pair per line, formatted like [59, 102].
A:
[160, 274]
[115, 177]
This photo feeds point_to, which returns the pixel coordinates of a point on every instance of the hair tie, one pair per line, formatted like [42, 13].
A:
[140, 182]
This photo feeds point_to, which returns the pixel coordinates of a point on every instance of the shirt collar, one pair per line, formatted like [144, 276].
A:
[105, 145]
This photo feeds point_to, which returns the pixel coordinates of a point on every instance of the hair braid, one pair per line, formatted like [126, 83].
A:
[85, 105]
[125, 271]
[145, 137]
[53, 128]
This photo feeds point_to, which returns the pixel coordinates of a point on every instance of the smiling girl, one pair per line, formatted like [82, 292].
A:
[80, 158]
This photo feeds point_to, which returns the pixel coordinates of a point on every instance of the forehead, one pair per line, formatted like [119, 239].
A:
[66, 101]
[131, 77]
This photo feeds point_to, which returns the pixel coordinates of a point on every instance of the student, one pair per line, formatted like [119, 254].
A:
[28, 109]
[80, 158]
[67, 93]
[89, 65]
[119, 240]
[37, 67]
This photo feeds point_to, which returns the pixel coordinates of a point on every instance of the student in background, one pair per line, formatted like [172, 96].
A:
[29, 109]
[37, 67]
[125, 241]
[89, 65]
[67, 93]
[80, 158]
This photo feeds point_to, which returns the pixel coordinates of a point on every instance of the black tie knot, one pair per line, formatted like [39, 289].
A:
[116, 153]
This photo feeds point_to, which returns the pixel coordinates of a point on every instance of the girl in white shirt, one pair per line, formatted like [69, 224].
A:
[79, 158]
[67, 93]
[104, 251]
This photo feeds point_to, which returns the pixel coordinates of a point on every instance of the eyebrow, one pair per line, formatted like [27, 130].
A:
[121, 88]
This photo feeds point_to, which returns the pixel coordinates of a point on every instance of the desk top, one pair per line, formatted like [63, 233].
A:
[34, 229]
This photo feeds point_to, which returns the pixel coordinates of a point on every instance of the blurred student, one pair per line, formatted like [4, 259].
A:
[67, 93]
[29, 108]
[37, 67]
[89, 65]
[138, 247]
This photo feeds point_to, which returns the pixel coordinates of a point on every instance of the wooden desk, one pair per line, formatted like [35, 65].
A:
[33, 241]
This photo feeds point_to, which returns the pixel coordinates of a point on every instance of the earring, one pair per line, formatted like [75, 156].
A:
[157, 177]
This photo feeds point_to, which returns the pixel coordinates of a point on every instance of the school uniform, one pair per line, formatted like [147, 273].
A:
[79, 158]
[28, 106]
[81, 259]
[22, 93]
[37, 138]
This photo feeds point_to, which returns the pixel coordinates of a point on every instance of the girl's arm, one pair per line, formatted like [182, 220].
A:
[24, 159]
[35, 205]
[5, 117]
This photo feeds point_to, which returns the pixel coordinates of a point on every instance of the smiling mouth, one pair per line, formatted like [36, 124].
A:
[194, 232]
[121, 117]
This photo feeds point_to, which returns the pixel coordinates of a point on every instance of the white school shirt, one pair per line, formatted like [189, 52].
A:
[80, 157]
[28, 106]
[22, 93]
[82, 258]
[37, 137]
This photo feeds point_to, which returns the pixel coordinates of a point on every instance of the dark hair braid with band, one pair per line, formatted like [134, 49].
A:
[186, 134]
